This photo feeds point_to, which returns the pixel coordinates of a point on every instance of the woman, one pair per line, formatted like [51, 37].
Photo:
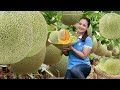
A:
[78, 63]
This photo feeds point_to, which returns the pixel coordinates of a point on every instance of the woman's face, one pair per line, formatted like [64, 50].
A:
[82, 26]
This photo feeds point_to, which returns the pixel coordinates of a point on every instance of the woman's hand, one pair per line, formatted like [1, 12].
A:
[70, 47]
[66, 48]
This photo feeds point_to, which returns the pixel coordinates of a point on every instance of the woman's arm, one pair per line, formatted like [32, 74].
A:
[84, 54]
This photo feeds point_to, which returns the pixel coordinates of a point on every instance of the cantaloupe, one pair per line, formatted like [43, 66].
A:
[16, 36]
[71, 17]
[60, 68]
[50, 29]
[53, 55]
[110, 46]
[109, 65]
[108, 53]
[101, 63]
[40, 32]
[53, 37]
[109, 26]
[98, 45]
[102, 50]
[89, 31]
[115, 51]
[64, 36]
[112, 66]
[94, 47]
[29, 64]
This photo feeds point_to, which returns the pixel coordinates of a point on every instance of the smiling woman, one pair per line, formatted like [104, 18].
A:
[78, 62]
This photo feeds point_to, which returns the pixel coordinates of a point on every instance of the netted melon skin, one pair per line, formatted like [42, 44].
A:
[40, 32]
[71, 17]
[29, 64]
[60, 68]
[53, 55]
[109, 26]
[16, 36]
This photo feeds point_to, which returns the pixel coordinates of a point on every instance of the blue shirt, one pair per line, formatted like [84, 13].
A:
[74, 59]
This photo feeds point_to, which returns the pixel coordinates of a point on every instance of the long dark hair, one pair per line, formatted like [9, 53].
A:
[85, 34]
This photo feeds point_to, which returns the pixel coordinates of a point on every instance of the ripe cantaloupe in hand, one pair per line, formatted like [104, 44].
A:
[53, 37]
[64, 37]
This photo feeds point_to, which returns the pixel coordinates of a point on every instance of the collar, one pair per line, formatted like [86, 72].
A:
[80, 37]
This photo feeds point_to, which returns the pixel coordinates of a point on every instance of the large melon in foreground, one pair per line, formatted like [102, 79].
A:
[71, 17]
[16, 36]
[109, 26]
[53, 55]
[40, 32]
[60, 68]
[101, 62]
[112, 66]
[29, 64]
